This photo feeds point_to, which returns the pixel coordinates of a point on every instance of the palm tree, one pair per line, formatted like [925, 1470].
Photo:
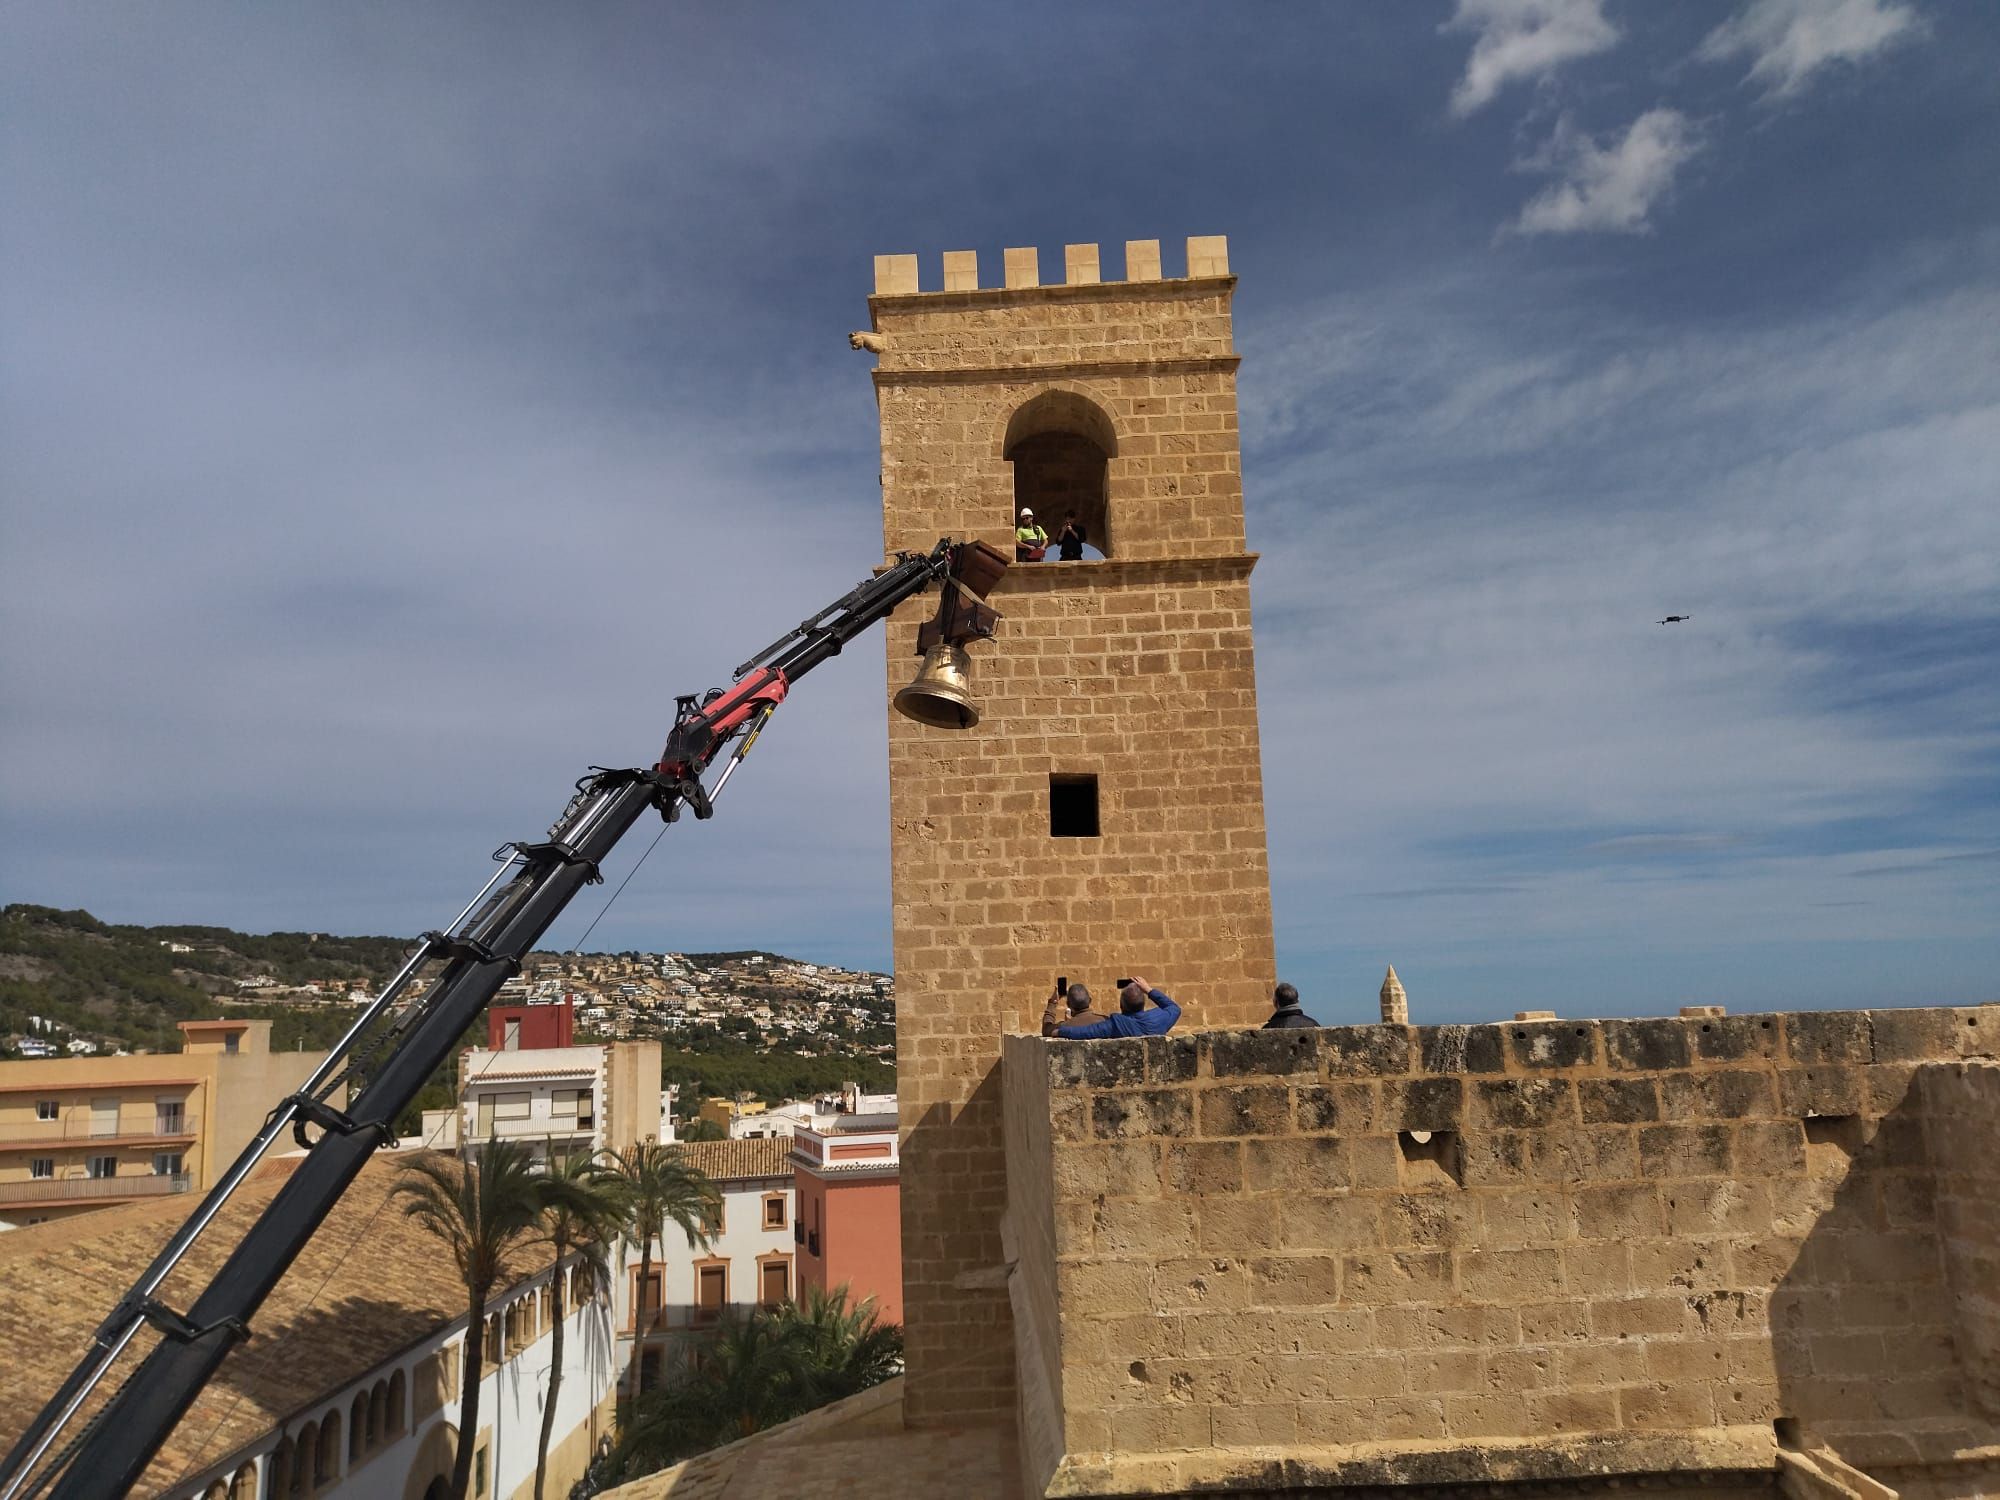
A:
[481, 1209]
[658, 1188]
[582, 1209]
[841, 1349]
[755, 1372]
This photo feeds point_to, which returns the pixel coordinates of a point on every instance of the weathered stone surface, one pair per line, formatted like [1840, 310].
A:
[1830, 1036]
[1646, 1045]
[1518, 1103]
[1149, 1112]
[1461, 1049]
[1365, 1051]
[1423, 1104]
[1551, 1044]
[1618, 1101]
[1232, 1054]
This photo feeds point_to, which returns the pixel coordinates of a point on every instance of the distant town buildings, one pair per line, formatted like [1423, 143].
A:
[744, 1119]
[78, 1133]
[531, 1084]
[776, 1001]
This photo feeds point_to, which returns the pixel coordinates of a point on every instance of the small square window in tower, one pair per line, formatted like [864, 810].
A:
[1072, 807]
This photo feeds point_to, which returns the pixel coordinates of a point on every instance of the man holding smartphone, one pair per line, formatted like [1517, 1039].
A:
[1134, 1018]
[1071, 998]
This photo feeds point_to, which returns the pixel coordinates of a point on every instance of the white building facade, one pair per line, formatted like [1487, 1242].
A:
[747, 1262]
[561, 1100]
[394, 1432]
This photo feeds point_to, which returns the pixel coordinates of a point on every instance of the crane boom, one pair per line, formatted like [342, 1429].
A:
[480, 951]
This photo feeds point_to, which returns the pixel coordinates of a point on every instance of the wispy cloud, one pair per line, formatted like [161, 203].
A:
[376, 470]
[1929, 864]
[1610, 187]
[1788, 41]
[1643, 845]
[1519, 40]
[1484, 704]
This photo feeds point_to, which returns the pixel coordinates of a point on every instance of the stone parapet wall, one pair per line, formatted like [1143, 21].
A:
[1392, 1254]
[1962, 1124]
[1030, 1242]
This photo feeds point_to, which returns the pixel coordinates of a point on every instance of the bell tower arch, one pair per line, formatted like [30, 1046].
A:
[1060, 444]
[1106, 815]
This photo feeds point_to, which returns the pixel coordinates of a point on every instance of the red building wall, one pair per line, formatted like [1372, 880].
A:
[858, 1228]
[539, 1025]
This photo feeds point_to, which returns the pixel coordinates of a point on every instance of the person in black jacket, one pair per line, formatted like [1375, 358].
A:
[1286, 1013]
[1070, 540]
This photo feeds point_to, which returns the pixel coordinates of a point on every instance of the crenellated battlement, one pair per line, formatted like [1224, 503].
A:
[899, 275]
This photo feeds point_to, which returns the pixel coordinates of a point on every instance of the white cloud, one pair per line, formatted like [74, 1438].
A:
[1608, 187]
[1790, 40]
[1523, 39]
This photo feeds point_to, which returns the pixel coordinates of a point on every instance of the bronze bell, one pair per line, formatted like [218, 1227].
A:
[940, 694]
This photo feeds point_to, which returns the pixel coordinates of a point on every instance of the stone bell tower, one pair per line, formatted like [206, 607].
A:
[1106, 815]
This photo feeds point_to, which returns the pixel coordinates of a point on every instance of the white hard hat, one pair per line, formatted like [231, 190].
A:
[1025, 511]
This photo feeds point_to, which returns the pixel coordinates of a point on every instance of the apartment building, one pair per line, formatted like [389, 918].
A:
[532, 1084]
[747, 1260]
[849, 1226]
[80, 1133]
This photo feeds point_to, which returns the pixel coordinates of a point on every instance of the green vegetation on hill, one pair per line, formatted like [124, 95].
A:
[122, 985]
[714, 1064]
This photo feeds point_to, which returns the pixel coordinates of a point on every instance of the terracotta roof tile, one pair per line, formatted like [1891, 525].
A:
[724, 1161]
[369, 1285]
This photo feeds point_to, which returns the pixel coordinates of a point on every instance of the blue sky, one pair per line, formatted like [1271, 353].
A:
[400, 406]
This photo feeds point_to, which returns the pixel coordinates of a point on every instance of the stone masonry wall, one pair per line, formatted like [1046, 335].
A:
[1136, 670]
[1385, 1254]
[1962, 1123]
[1030, 1234]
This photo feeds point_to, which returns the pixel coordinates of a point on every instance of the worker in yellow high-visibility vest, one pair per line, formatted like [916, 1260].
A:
[1030, 541]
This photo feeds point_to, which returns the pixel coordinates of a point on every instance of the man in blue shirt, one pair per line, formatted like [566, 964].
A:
[1133, 1019]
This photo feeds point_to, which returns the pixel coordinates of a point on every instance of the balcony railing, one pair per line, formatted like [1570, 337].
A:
[83, 1130]
[86, 1189]
[533, 1130]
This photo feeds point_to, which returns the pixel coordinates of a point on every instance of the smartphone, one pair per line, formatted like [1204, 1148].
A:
[1062, 984]
[1123, 982]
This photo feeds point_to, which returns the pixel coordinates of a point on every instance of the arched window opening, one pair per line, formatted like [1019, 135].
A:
[327, 1469]
[378, 1413]
[302, 1461]
[244, 1485]
[1061, 446]
[216, 1491]
[358, 1437]
[278, 1471]
[396, 1387]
